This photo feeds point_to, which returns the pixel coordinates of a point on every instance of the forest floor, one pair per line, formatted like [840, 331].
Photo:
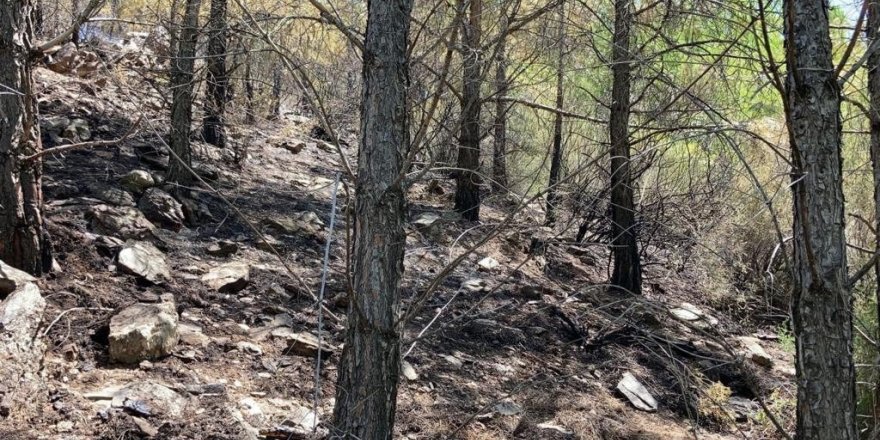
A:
[534, 348]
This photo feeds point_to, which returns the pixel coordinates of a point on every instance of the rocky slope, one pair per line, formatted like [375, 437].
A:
[188, 313]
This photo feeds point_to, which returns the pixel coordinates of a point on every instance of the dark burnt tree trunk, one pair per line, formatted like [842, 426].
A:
[366, 395]
[873, 67]
[556, 155]
[249, 105]
[502, 86]
[468, 181]
[182, 65]
[627, 273]
[822, 302]
[217, 84]
[276, 93]
[23, 239]
[74, 13]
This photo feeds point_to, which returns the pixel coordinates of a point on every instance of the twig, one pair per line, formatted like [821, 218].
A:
[75, 309]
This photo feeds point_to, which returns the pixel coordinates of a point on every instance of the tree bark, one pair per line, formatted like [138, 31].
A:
[182, 65]
[249, 110]
[873, 68]
[23, 240]
[366, 392]
[822, 302]
[217, 87]
[556, 157]
[468, 181]
[627, 274]
[499, 150]
[276, 93]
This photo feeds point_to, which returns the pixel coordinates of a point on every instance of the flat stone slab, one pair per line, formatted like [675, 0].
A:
[228, 278]
[636, 393]
[142, 259]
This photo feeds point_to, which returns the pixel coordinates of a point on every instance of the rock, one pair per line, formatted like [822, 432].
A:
[507, 408]
[142, 259]
[21, 350]
[452, 360]
[429, 224]
[137, 181]
[488, 264]
[267, 243]
[688, 312]
[150, 397]
[553, 427]
[408, 371]
[122, 221]
[302, 222]
[144, 331]
[64, 426]
[192, 335]
[755, 352]
[63, 60]
[207, 171]
[249, 347]
[228, 278]
[194, 209]
[12, 279]
[222, 248]
[60, 190]
[146, 427]
[299, 421]
[475, 285]
[637, 394]
[77, 131]
[294, 148]
[211, 389]
[116, 197]
[162, 209]
[302, 343]
[107, 246]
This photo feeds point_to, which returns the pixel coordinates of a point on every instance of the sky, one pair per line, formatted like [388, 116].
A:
[850, 7]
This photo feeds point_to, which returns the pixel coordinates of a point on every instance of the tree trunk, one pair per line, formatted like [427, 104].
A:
[366, 395]
[873, 68]
[499, 151]
[822, 302]
[250, 115]
[74, 13]
[556, 158]
[627, 274]
[23, 240]
[276, 93]
[468, 181]
[217, 87]
[182, 94]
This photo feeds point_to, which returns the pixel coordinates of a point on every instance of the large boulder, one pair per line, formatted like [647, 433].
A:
[21, 350]
[144, 331]
[144, 260]
[162, 209]
[228, 278]
[12, 279]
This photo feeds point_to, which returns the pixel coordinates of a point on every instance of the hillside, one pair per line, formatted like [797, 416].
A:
[520, 340]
